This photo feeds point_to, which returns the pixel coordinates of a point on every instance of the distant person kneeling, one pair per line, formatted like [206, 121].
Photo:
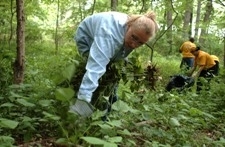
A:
[206, 68]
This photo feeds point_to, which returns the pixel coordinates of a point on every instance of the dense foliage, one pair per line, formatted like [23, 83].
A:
[36, 113]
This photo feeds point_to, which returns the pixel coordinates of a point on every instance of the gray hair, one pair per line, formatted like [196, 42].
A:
[146, 22]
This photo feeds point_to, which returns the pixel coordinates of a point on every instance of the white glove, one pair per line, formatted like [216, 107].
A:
[82, 108]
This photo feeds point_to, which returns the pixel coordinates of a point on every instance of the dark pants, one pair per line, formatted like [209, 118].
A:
[217, 68]
[207, 75]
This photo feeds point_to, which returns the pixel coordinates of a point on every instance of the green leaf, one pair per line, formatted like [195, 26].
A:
[121, 106]
[115, 139]
[6, 141]
[45, 103]
[222, 140]
[174, 122]
[69, 71]
[97, 141]
[51, 116]
[195, 112]
[108, 144]
[64, 94]
[13, 94]
[182, 117]
[105, 126]
[116, 123]
[124, 132]
[7, 105]
[209, 115]
[25, 103]
[6, 123]
[94, 140]
[157, 108]
[61, 140]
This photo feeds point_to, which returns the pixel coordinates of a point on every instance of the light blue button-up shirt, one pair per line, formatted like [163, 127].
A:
[101, 36]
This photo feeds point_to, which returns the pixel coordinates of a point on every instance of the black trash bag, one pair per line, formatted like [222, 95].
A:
[179, 82]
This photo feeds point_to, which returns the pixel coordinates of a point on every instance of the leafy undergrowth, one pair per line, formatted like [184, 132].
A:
[139, 118]
[37, 114]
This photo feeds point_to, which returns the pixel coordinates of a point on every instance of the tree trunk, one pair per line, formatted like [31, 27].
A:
[114, 4]
[198, 13]
[19, 64]
[56, 29]
[206, 21]
[145, 6]
[169, 15]
[187, 25]
[11, 23]
[224, 52]
[169, 20]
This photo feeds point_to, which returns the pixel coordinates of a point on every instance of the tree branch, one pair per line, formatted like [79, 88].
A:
[160, 36]
[220, 2]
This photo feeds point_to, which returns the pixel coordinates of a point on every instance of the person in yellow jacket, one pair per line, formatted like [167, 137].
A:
[187, 56]
[217, 61]
[205, 65]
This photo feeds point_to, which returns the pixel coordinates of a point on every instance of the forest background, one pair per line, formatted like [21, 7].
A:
[37, 52]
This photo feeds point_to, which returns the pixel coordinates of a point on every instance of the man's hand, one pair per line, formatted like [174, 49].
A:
[82, 108]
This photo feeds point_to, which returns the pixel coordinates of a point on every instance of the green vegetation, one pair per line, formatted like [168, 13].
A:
[142, 117]
[35, 113]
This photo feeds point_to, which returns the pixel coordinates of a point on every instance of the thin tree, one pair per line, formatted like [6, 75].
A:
[19, 64]
[56, 28]
[187, 25]
[224, 52]
[206, 20]
[11, 22]
[145, 6]
[114, 4]
[198, 13]
[169, 22]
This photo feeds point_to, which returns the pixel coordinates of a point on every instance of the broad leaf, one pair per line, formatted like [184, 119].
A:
[115, 139]
[64, 94]
[6, 123]
[116, 123]
[94, 140]
[7, 105]
[121, 106]
[124, 132]
[45, 103]
[51, 116]
[25, 103]
[69, 71]
[174, 122]
[6, 141]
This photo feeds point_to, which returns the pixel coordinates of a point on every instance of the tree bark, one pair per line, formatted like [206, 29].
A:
[169, 15]
[224, 52]
[206, 21]
[114, 4]
[198, 13]
[19, 64]
[56, 28]
[187, 25]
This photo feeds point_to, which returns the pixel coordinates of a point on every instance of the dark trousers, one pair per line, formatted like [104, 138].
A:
[207, 75]
[217, 68]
